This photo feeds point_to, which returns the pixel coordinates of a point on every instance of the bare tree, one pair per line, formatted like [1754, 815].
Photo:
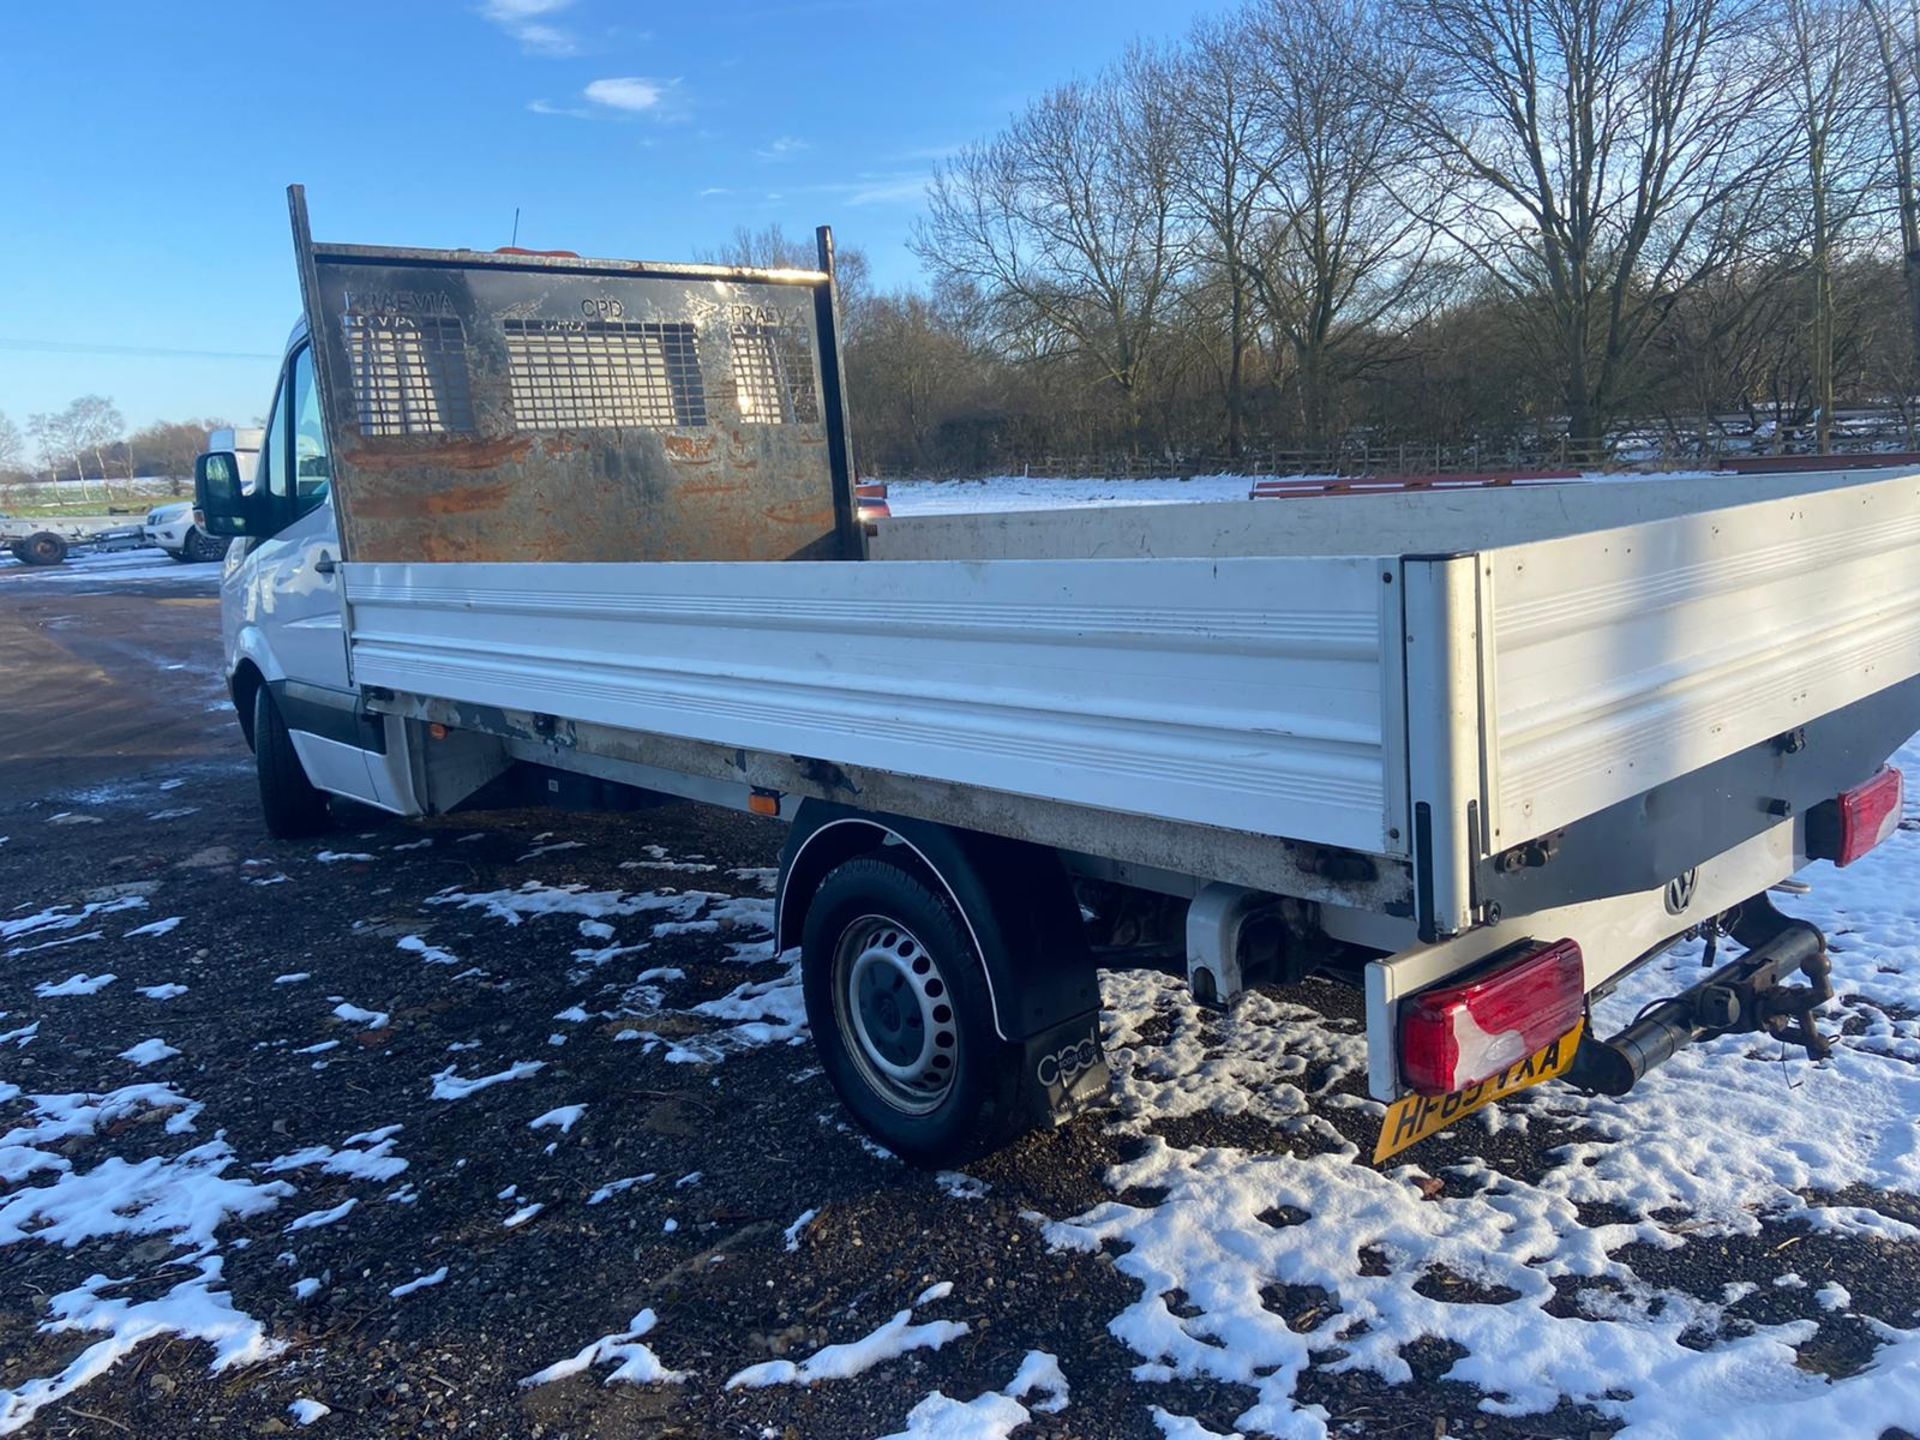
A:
[1896, 27]
[1224, 155]
[1065, 224]
[93, 424]
[1349, 218]
[53, 443]
[1831, 99]
[13, 449]
[169, 448]
[771, 248]
[1614, 154]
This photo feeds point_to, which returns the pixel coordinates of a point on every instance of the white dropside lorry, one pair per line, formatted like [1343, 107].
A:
[589, 526]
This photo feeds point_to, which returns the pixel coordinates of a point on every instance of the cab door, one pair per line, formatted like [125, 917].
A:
[289, 595]
[292, 583]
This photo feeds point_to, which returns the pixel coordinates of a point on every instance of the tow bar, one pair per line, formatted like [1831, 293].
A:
[1746, 996]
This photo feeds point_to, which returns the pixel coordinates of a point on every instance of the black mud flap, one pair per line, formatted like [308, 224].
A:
[1068, 1066]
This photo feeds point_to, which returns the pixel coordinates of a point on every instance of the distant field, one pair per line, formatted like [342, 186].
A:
[68, 499]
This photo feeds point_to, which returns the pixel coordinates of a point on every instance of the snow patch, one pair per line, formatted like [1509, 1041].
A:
[449, 1085]
[634, 1363]
[565, 1116]
[429, 954]
[419, 1282]
[899, 1336]
[314, 1219]
[148, 1052]
[74, 985]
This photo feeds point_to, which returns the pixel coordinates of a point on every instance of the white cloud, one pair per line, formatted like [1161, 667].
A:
[784, 148]
[888, 187]
[628, 92]
[547, 107]
[528, 21]
[888, 190]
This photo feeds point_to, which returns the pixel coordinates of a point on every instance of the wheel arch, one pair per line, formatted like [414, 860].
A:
[1014, 900]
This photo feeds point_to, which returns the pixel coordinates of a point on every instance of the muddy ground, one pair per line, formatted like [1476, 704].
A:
[124, 779]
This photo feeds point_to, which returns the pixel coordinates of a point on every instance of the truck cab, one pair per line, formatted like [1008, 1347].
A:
[281, 613]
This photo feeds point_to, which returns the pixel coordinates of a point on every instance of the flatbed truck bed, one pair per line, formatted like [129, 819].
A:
[1477, 753]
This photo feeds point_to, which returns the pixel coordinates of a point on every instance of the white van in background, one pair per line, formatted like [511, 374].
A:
[171, 526]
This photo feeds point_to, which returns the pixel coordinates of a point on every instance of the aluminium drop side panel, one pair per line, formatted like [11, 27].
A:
[1246, 694]
[1625, 658]
[530, 407]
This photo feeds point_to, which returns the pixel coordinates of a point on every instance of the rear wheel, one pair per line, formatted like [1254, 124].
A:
[201, 548]
[292, 806]
[42, 548]
[902, 1018]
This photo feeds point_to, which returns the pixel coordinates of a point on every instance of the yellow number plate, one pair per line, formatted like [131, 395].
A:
[1413, 1119]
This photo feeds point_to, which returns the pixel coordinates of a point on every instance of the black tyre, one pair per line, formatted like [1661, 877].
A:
[902, 1019]
[42, 548]
[293, 808]
[201, 548]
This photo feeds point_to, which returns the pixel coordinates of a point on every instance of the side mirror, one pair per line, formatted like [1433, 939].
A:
[220, 507]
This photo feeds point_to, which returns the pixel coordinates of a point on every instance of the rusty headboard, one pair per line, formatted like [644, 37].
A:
[512, 406]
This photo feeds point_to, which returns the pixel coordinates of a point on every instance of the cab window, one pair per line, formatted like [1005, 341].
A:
[299, 471]
[312, 469]
[268, 466]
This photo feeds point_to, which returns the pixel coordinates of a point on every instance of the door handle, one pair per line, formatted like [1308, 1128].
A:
[326, 564]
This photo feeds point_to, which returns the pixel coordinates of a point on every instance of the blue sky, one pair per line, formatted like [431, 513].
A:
[147, 147]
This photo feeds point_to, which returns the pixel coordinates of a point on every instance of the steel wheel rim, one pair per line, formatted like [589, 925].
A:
[896, 1010]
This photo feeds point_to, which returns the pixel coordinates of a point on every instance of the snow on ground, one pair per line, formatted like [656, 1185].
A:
[998, 493]
[996, 1414]
[565, 1117]
[419, 1282]
[634, 1363]
[1204, 1232]
[1020, 492]
[148, 1052]
[123, 567]
[186, 1197]
[1706, 1146]
[448, 1084]
[899, 1336]
[74, 985]
[305, 1411]
[366, 1156]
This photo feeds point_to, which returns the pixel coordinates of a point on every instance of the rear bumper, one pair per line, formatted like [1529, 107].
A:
[1614, 933]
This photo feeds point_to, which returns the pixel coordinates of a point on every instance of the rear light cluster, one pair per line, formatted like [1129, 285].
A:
[1461, 1034]
[1848, 826]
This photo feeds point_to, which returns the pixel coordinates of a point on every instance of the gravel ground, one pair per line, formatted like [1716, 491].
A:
[757, 1225]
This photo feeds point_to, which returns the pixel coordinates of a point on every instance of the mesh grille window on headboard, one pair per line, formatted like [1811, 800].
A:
[409, 374]
[604, 374]
[773, 370]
